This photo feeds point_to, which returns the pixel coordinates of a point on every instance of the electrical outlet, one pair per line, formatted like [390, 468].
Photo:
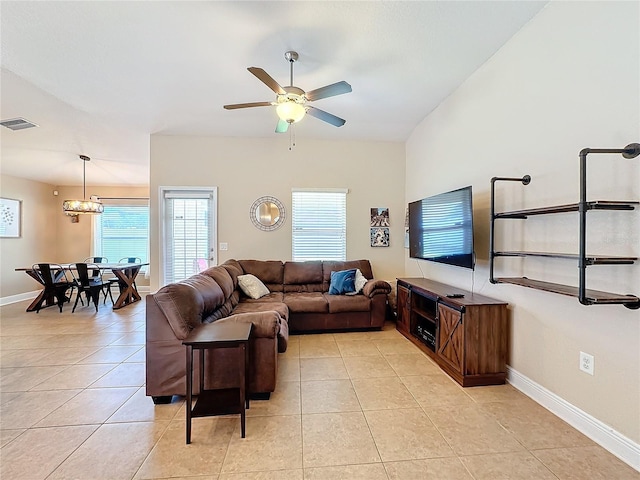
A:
[224, 246]
[586, 363]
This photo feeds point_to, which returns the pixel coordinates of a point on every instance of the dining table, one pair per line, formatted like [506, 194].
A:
[126, 274]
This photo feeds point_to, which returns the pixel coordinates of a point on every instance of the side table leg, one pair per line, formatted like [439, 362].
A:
[189, 390]
[243, 390]
[246, 374]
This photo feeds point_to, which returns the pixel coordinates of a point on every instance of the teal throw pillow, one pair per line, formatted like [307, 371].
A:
[343, 282]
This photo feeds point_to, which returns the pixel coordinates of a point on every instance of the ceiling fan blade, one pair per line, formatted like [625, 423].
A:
[247, 105]
[265, 78]
[282, 126]
[325, 116]
[328, 91]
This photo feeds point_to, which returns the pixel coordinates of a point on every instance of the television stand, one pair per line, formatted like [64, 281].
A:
[463, 332]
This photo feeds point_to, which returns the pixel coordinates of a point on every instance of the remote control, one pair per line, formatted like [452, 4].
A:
[455, 295]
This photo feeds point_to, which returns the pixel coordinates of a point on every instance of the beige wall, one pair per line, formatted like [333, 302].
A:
[244, 169]
[38, 242]
[47, 234]
[558, 86]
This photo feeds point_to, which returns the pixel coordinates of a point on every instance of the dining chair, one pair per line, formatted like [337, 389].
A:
[88, 284]
[55, 281]
[115, 281]
[98, 273]
[96, 260]
[130, 260]
[74, 284]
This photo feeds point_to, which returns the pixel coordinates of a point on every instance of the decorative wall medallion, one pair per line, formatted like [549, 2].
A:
[267, 213]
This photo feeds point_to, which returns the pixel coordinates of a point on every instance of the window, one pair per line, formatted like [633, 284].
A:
[319, 224]
[189, 231]
[122, 231]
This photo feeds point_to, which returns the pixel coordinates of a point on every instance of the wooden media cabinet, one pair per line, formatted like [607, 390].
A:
[464, 333]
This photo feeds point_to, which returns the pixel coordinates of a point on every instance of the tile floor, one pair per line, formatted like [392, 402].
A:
[364, 406]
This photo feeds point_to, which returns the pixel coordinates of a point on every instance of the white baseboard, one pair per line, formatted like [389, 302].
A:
[19, 298]
[622, 447]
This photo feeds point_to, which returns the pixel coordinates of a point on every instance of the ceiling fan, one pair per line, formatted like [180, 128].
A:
[292, 103]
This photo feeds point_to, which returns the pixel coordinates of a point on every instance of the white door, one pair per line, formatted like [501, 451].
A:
[189, 228]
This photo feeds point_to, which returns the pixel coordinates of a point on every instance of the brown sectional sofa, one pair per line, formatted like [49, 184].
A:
[298, 301]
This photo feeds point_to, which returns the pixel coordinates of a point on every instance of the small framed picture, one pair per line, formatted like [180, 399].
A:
[379, 217]
[406, 228]
[379, 236]
[10, 221]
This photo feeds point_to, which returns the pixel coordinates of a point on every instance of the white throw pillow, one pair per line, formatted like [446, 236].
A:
[252, 286]
[360, 282]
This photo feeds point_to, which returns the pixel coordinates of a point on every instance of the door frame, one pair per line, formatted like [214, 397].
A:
[213, 222]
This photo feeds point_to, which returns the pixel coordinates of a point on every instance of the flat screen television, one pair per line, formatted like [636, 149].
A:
[441, 228]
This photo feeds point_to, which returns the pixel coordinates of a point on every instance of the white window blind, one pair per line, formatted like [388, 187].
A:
[319, 224]
[187, 233]
[122, 231]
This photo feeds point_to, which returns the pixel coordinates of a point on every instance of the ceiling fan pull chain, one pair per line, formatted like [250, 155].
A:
[290, 137]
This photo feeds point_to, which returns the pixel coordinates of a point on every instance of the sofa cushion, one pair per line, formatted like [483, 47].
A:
[250, 307]
[277, 297]
[210, 291]
[311, 302]
[252, 286]
[182, 305]
[223, 279]
[359, 284]
[234, 268]
[225, 309]
[303, 276]
[343, 282]
[270, 272]
[345, 303]
[334, 266]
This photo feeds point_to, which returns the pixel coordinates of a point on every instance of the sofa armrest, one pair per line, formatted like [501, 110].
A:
[376, 287]
[265, 325]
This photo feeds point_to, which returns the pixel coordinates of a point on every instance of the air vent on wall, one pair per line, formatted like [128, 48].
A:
[17, 124]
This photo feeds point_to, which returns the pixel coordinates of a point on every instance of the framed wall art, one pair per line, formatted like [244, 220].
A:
[10, 221]
[379, 236]
[379, 217]
[406, 228]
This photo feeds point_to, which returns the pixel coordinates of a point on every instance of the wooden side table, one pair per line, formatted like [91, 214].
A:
[221, 401]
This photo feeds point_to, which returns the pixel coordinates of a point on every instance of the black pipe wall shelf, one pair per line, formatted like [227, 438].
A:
[585, 296]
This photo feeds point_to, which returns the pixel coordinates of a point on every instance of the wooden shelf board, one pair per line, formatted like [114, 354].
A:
[591, 259]
[223, 401]
[429, 316]
[594, 296]
[570, 207]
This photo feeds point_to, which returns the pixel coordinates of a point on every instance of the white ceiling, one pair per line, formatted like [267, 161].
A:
[99, 77]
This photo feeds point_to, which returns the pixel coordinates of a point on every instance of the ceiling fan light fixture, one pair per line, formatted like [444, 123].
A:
[84, 206]
[292, 103]
[291, 111]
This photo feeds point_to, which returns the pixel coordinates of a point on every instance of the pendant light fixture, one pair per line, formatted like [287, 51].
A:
[77, 207]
